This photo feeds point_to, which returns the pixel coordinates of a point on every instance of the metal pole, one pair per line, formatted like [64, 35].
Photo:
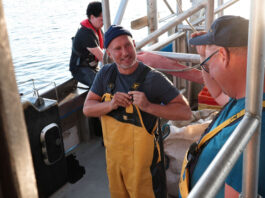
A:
[182, 57]
[201, 19]
[175, 21]
[152, 16]
[254, 95]
[120, 12]
[214, 176]
[107, 23]
[165, 42]
[216, 11]
[209, 15]
[16, 166]
[220, 3]
[106, 14]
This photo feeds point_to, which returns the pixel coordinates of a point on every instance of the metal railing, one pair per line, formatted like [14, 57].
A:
[120, 12]
[174, 22]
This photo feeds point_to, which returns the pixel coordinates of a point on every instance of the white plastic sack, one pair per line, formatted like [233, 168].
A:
[182, 135]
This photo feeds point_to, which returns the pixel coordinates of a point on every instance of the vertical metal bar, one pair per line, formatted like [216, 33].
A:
[176, 41]
[209, 15]
[179, 45]
[254, 95]
[107, 23]
[16, 167]
[214, 176]
[216, 11]
[120, 12]
[179, 6]
[221, 13]
[152, 16]
[106, 14]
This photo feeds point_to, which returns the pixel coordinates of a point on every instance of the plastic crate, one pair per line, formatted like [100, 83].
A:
[206, 101]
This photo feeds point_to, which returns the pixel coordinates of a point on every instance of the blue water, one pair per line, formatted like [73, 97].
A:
[40, 34]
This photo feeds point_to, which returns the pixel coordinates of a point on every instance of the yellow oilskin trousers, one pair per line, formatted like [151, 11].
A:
[129, 154]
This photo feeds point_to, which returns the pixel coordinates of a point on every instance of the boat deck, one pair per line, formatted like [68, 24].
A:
[94, 184]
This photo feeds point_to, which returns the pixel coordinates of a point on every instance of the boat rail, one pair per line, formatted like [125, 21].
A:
[35, 89]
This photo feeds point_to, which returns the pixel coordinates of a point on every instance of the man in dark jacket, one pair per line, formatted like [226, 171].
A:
[87, 46]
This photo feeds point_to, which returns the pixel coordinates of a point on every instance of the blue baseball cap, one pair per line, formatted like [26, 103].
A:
[113, 32]
[226, 31]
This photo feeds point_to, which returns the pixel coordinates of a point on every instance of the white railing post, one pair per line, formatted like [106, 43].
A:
[209, 14]
[120, 12]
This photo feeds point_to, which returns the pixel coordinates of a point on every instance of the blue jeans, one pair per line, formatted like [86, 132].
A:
[84, 75]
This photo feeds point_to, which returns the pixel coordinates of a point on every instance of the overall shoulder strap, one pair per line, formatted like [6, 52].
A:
[212, 133]
[111, 83]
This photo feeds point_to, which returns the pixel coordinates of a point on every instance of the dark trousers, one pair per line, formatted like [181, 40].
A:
[84, 75]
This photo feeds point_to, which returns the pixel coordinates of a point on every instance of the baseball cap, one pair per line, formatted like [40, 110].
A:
[226, 31]
[113, 32]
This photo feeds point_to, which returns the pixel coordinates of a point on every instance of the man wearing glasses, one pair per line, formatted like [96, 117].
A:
[224, 51]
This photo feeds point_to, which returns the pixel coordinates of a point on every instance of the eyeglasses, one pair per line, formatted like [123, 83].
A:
[203, 64]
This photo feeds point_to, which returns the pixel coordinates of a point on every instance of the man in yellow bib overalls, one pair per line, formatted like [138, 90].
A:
[129, 97]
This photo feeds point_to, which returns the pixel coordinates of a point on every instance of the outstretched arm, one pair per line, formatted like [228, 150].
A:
[158, 61]
[177, 109]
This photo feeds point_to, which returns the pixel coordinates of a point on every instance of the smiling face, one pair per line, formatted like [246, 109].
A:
[122, 51]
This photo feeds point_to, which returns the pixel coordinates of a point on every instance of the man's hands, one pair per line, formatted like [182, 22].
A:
[120, 99]
[139, 99]
[133, 97]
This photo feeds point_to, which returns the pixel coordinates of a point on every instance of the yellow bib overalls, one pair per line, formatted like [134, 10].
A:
[132, 154]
